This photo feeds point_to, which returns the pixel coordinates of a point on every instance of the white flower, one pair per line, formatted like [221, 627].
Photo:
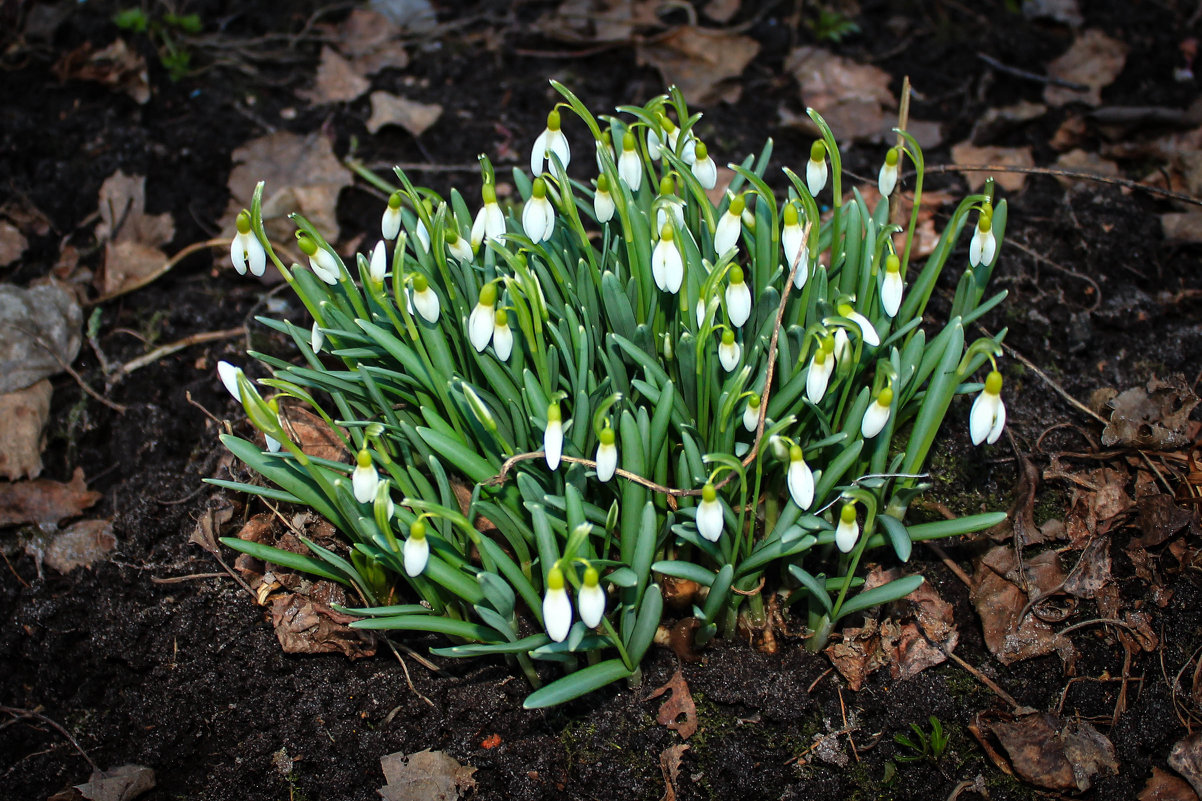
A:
[704, 169]
[792, 238]
[390, 224]
[591, 598]
[553, 436]
[751, 413]
[316, 338]
[604, 145]
[460, 248]
[729, 351]
[378, 266]
[848, 531]
[480, 323]
[842, 344]
[983, 246]
[603, 201]
[424, 300]
[988, 415]
[865, 325]
[607, 455]
[364, 479]
[630, 166]
[886, 180]
[245, 249]
[490, 222]
[416, 549]
[273, 444]
[877, 414]
[551, 140]
[738, 298]
[726, 236]
[423, 235]
[538, 217]
[502, 335]
[666, 202]
[709, 514]
[821, 367]
[816, 170]
[891, 287]
[229, 377]
[800, 479]
[666, 267]
[557, 607]
[321, 261]
[700, 312]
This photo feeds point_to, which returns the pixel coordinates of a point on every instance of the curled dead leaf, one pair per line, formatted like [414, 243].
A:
[414, 117]
[678, 704]
[23, 415]
[853, 98]
[1050, 752]
[701, 62]
[425, 776]
[44, 500]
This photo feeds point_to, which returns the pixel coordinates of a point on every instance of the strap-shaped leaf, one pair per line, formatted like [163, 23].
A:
[898, 536]
[288, 559]
[883, 594]
[813, 587]
[439, 625]
[577, 684]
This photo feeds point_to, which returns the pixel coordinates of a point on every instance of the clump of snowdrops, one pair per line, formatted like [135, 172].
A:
[631, 382]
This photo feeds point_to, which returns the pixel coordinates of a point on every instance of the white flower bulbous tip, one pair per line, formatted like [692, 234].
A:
[482, 321]
[666, 266]
[877, 414]
[738, 300]
[816, 175]
[228, 374]
[847, 533]
[502, 336]
[488, 225]
[553, 437]
[730, 225]
[983, 246]
[891, 293]
[706, 172]
[324, 266]
[987, 418]
[886, 180]
[422, 235]
[819, 376]
[751, 416]
[538, 218]
[316, 338]
[630, 169]
[247, 252]
[729, 353]
[426, 303]
[709, 514]
[390, 223]
[377, 267]
[364, 479]
[551, 140]
[590, 601]
[800, 479]
[557, 607]
[867, 331]
[607, 456]
[416, 552]
[603, 206]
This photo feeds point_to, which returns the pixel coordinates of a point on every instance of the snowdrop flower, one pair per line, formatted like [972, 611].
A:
[390, 223]
[460, 248]
[228, 374]
[364, 479]
[730, 226]
[988, 415]
[320, 260]
[729, 351]
[425, 301]
[416, 549]
[553, 436]
[792, 238]
[668, 199]
[891, 287]
[630, 166]
[604, 144]
[709, 514]
[538, 217]
[316, 338]
[738, 298]
[557, 607]
[700, 312]
[490, 222]
[842, 344]
[591, 598]
[751, 412]
[848, 531]
[704, 169]
[877, 414]
[422, 234]
[502, 335]
[655, 144]
[378, 266]
[865, 325]
[983, 246]
[666, 266]
[886, 180]
[551, 140]
[800, 479]
[821, 367]
[816, 170]
[603, 201]
[483, 318]
[246, 250]
[607, 455]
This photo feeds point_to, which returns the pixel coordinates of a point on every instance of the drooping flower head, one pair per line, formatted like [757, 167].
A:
[416, 549]
[364, 479]
[886, 180]
[987, 418]
[424, 300]
[704, 169]
[502, 335]
[320, 261]
[726, 236]
[551, 140]
[863, 323]
[630, 166]
[821, 367]
[538, 217]
[792, 238]
[591, 598]
[553, 436]
[709, 514]
[738, 298]
[729, 351]
[816, 170]
[891, 286]
[480, 323]
[377, 267]
[983, 246]
[607, 455]
[751, 413]
[603, 201]
[666, 266]
[877, 414]
[490, 221]
[390, 224]
[847, 533]
[459, 247]
[557, 607]
[800, 479]
[246, 250]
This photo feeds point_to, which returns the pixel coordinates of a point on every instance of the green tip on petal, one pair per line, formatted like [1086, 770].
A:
[985, 222]
[452, 236]
[709, 494]
[305, 243]
[701, 151]
[737, 205]
[628, 141]
[555, 579]
[665, 233]
[553, 413]
[891, 157]
[501, 318]
[591, 577]
[817, 150]
[395, 200]
[753, 400]
[791, 217]
[363, 459]
[489, 193]
[728, 337]
[602, 183]
[488, 294]
[418, 530]
[993, 383]
[539, 189]
[553, 120]
[848, 514]
[243, 222]
[892, 263]
[667, 186]
[420, 284]
[795, 453]
[885, 398]
[736, 275]
[845, 309]
[607, 436]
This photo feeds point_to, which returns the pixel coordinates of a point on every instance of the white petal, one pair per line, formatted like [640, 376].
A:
[846, 535]
[700, 312]
[461, 250]
[478, 226]
[891, 293]
[728, 356]
[316, 338]
[603, 206]
[989, 248]
[801, 483]
[842, 343]
[417, 553]
[229, 376]
[727, 234]
[999, 422]
[630, 169]
[325, 267]
[817, 379]
[870, 335]
[557, 614]
[423, 235]
[706, 173]
[607, 461]
[673, 270]
[982, 418]
[502, 340]
[816, 174]
[653, 144]
[553, 443]
[751, 417]
[238, 254]
[426, 304]
[538, 219]
[538, 154]
[591, 604]
[886, 179]
[738, 303]
[364, 481]
[557, 143]
[874, 420]
[480, 326]
[709, 520]
[494, 221]
[273, 445]
[390, 224]
[378, 265]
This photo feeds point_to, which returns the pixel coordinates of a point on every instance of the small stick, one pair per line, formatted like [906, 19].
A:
[69, 370]
[935, 169]
[29, 713]
[166, 350]
[1031, 76]
[846, 728]
[981, 677]
[405, 668]
[159, 273]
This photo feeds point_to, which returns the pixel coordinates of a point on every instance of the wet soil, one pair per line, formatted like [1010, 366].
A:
[149, 658]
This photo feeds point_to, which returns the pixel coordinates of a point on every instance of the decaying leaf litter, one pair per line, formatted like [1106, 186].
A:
[1103, 537]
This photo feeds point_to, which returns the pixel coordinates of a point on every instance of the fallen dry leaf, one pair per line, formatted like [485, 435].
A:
[1164, 786]
[371, 42]
[116, 66]
[311, 432]
[306, 625]
[303, 175]
[669, 765]
[930, 638]
[337, 80]
[1092, 571]
[1182, 227]
[414, 117]
[12, 243]
[1151, 418]
[701, 62]
[23, 415]
[967, 154]
[39, 332]
[119, 784]
[999, 602]
[1186, 759]
[862, 651]
[1053, 754]
[44, 500]
[1084, 161]
[425, 776]
[133, 238]
[589, 21]
[680, 703]
[1093, 59]
[1160, 517]
[81, 544]
[854, 99]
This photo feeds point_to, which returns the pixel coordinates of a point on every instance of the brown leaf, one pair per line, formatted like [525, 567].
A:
[414, 117]
[23, 415]
[1092, 571]
[968, 154]
[1182, 227]
[996, 123]
[863, 651]
[1152, 419]
[999, 602]
[1186, 759]
[669, 765]
[40, 330]
[305, 624]
[119, 784]
[854, 99]
[1160, 518]
[44, 501]
[337, 80]
[81, 544]
[680, 703]
[311, 432]
[926, 642]
[699, 61]
[1164, 786]
[591, 21]
[208, 528]
[116, 66]
[425, 776]
[1055, 755]
[132, 237]
[303, 175]
[12, 243]
[1095, 60]
[371, 42]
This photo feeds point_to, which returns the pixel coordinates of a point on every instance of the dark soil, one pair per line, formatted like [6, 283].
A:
[187, 676]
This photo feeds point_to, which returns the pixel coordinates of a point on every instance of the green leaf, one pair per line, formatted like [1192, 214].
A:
[439, 625]
[813, 586]
[650, 612]
[471, 464]
[288, 559]
[897, 535]
[680, 569]
[577, 684]
[955, 528]
[883, 594]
